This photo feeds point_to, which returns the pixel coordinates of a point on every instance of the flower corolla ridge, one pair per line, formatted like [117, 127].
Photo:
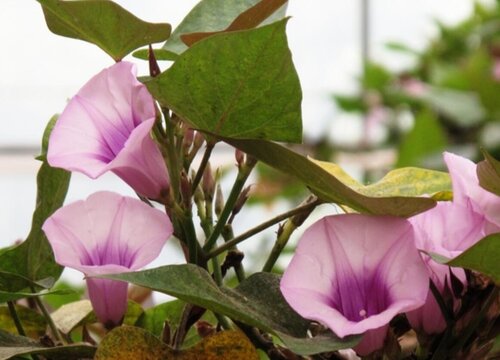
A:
[104, 234]
[449, 229]
[106, 127]
[353, 273]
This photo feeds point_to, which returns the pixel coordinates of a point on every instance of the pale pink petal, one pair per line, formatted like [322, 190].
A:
[372, 339]
[354, 273]
[466, 188]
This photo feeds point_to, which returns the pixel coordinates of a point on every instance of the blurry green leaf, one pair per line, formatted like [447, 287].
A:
[239, 85]
[401, 47]
[247, 303]
[376, 77]
[75, 293]
[484, 257]
[488, 172]
[153, 318]
[463, 108]
[160, 54]
[325, 185]
[248, 19]
[72, 315]
[103, 23]
[212, 15]
[12, 345]
[350, 103]
[33, 323]
[46, 136]
[33, 261]
[133, 313]
[426, 139]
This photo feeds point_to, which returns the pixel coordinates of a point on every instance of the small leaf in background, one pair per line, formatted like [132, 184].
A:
[33, 323]
[153, 318]
[488, 172]
[484, 257]
[55, 301]
[461, 107]
[114, 30]
[13, 345]
[212, 15]
[248, 19]
[238, 85]
[131, 343]
[426, 139]
[134, 312]
[325, 185]
[376, 77]
[247, 303]
[72, 315]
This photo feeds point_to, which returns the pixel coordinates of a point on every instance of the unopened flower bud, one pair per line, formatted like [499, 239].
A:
[186, 190]
[219, 201]
[188, 139]
[208, 183]
[239, 156]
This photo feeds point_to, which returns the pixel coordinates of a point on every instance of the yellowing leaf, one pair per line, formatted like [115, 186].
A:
[127, 342]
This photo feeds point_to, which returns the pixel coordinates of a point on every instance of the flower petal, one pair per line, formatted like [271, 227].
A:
[109, 300]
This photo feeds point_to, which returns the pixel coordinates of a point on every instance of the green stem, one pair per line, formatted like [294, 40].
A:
[235, 241]
[238, 185]
[172, 161]
[49, 320]
[203, 164]
[279, 245]
[228, 234]
[15, 318]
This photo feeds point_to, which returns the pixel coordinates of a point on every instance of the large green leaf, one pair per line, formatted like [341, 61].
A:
[488, 172]
[12, 296]
[238, 85]
[212, 15]
[328, 187]
[248, 303]
[426, 139]
[103, 23]
[484, 256]
[33, 259]
[12, 345]
[31, 264]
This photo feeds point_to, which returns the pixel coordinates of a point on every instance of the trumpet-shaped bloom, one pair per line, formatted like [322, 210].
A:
[106, 127]
[353, 273]
[449, 229]
[107, 233]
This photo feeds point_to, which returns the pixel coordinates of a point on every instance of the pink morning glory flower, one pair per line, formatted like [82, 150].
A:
[106, 127]
[353, 273]
[107, 233]
[449, 229]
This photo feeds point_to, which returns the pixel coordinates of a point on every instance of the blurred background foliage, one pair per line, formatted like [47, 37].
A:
[448, 100]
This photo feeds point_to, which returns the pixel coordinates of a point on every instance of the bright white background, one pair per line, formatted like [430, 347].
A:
[40, 71]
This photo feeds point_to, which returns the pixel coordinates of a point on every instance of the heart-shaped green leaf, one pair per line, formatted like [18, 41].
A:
[238, 85]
